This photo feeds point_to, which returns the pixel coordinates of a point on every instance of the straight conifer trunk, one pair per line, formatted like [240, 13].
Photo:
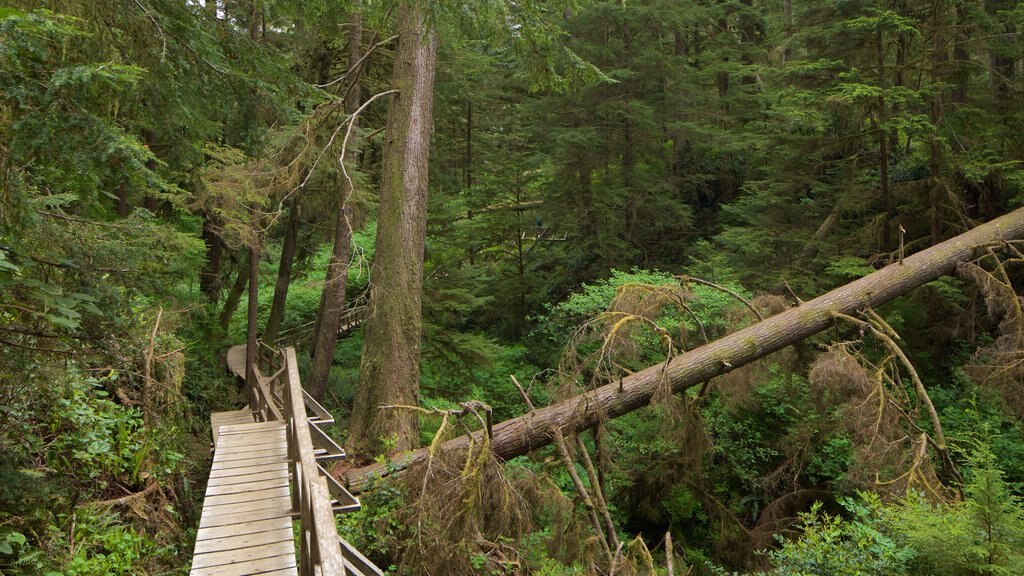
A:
[284, 272]
[332, 301]
[390, 370]
[234, 296]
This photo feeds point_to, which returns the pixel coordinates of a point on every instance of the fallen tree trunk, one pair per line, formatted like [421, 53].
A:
[532, 430]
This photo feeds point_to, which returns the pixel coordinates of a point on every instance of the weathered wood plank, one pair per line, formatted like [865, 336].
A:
[244, 517]
[236, 360]
[220, 419]
[219, 481]
[252, 527]
[242, 541]
[239, 555]
[247, 487]
[245, 470]
[246, 525]
[244, 497]
[279, 450]
[259, 566]
[244, 463]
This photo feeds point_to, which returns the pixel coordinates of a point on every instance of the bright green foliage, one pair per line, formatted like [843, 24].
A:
[832, 546]
[980, 536]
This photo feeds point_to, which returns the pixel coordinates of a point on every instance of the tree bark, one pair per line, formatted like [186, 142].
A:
[332, 301]
[209, 277]
[284, 271]
[531, 431]
[390, 369]
[234, 296]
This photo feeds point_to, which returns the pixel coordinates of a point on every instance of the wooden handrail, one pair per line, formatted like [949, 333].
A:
[319, 544]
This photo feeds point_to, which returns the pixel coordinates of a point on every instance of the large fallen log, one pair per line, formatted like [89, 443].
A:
[532, 430]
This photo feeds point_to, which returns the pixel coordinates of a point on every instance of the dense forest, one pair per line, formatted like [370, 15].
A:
[499, 219]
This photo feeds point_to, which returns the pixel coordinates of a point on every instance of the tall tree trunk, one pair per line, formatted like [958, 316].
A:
[633, 199]
[469, 143]
[148, 202]
[935, 155]
[531, 431]
[251, 348]
[122, 201]
[390, 369]
[234, 297]
[209, 277]
[284, 271]
[332, 300]
[326, 338]
[883, 143]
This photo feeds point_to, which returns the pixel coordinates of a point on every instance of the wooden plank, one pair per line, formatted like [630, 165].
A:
[230, 444]
[247, 487]
[233, 443]
[346, 502]
[355, 563]
[214, 532]
[282, 507]
[218, 481]
[239, 555]
[260, 566]
[248, 428]
[321, 415]
[319, 518]
[220, 419]
[261, 452]
[326, 447]
[210, 521]
[244, 541]
[236, 360]
[284, 572]
[247, 496]
[252, 469]
[246, 463]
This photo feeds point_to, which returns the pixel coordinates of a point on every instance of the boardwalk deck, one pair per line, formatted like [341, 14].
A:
[236, 360]
[246, 525]
[235, 417]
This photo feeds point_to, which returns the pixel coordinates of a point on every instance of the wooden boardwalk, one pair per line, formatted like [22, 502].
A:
[270, 505]
[236, 360]
[246, 525]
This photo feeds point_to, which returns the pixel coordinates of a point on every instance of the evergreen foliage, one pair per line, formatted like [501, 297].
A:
[610, 183]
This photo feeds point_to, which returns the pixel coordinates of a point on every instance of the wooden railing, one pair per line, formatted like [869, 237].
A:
[315, 494]
[351, 317]
[319, 546]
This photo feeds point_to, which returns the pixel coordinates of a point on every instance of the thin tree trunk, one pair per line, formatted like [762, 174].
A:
[531, 431]
[469, 143]
[234, 297]
[209, 277]
[883, 143]
[284, 272]
[628, 169]
[122, 201]
[936, 185]
[390, 370]
[332, 301]
[326, 338]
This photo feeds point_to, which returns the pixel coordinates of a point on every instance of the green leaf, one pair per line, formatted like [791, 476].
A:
[10, 12]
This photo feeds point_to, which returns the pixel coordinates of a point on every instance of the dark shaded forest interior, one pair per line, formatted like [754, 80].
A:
[602, 287]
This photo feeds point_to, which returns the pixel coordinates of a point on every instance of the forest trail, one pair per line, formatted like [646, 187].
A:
[265, 475]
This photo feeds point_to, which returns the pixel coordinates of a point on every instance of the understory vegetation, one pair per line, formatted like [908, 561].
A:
[611, 185]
